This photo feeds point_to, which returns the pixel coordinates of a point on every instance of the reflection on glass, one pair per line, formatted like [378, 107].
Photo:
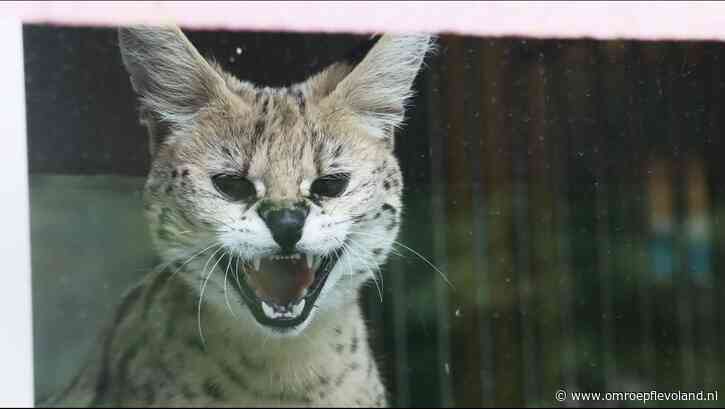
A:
[571, 191]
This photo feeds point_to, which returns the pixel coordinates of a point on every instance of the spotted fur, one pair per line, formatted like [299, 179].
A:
[164, 346]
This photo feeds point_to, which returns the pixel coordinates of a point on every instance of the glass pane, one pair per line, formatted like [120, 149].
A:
[561, 210]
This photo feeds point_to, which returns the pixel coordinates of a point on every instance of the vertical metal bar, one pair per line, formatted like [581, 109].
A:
[543, 137]
[399, 304]
[475, 135]
[709, 307]
[438, 194]
[581, 97]
[521, 227]
[684, 289]
[639, 188]
[464, 322]
[697, 234]
[493, 68]
[621, 102]
[689, 121]
[497, 56]
[604, 245]
[559, 160]
[698, 70]
[715, 147]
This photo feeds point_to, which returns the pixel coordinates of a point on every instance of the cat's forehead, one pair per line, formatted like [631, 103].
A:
[281, 100]
[258, 129]
[283, 106]
[253, 117]
[260, 118]
[283, 128]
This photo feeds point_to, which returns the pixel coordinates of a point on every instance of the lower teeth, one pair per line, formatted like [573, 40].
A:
[293, 313]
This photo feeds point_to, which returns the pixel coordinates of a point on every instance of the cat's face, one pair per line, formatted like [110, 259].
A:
[288, 199]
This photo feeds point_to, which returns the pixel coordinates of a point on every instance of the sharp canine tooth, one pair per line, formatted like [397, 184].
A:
[310, 260]
[257, 261]
[297, 309]
[268, 311]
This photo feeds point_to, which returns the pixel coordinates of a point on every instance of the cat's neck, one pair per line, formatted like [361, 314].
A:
[222, 344]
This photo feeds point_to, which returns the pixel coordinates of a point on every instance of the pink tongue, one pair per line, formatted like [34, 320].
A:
[282, 281]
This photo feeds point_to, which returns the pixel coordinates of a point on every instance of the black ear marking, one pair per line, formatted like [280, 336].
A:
[357, 54]
[388, 208]
[338, 151]
[300, 98]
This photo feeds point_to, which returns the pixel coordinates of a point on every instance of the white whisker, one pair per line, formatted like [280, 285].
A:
[370, 263]
[203, 289]
[226, 295]
[191, 258]
[420, 256]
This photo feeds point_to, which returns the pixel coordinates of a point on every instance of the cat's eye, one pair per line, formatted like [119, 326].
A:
[234, 187]
[330, 185]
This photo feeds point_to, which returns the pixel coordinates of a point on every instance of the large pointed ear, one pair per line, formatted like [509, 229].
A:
[172, 79]
[380, 82]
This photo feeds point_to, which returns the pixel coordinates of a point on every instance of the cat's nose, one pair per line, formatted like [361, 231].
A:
[285, 222]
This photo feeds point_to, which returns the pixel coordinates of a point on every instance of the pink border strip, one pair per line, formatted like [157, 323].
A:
[601, 20]
[553, 19]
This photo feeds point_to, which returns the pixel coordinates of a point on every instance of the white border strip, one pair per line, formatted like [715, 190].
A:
[646, 20]
[16, 324]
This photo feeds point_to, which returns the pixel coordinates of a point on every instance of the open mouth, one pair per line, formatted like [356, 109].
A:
[281, 290]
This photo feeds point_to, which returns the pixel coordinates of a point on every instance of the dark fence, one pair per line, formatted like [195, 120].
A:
[577, 195]
[576, 192]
